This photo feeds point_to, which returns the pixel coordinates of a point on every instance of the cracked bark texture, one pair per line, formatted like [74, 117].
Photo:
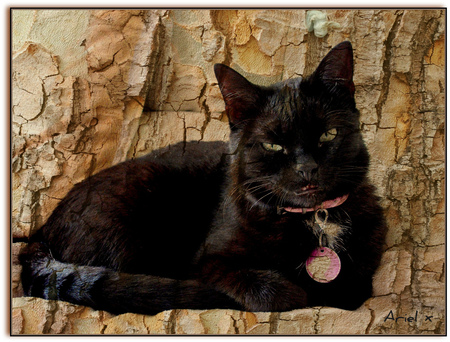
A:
[117, 84]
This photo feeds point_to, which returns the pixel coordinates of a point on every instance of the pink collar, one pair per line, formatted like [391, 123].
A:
[325, 205]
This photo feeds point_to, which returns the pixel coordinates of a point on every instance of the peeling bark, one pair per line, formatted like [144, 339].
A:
[148, 82]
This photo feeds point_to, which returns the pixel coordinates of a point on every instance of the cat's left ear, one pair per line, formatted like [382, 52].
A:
[241, 97]
[336, 67]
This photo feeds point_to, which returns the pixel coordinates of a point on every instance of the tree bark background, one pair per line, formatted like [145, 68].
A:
[91, 88]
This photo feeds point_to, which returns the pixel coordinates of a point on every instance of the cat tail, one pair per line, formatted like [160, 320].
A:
[108, 290]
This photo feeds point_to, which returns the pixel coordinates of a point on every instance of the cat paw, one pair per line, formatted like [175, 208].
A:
[269, 291]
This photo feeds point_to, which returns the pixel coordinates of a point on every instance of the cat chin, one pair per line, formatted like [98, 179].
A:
[304, 202]
[306, 197]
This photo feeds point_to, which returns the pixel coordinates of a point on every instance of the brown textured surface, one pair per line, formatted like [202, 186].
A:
[148, 82]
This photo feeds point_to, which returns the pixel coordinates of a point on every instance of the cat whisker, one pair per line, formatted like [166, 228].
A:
[256, 179]
[260, 199]
[250, 186]
[256, 186]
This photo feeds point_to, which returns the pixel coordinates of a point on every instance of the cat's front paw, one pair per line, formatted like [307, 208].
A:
[269, 291]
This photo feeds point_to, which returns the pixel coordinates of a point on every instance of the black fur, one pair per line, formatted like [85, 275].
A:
[201, 225]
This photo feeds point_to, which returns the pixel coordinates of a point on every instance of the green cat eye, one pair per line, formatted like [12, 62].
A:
[272, 147]
[328, 135]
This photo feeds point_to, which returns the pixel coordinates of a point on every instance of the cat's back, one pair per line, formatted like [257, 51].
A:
[191, 154]
[159, 203]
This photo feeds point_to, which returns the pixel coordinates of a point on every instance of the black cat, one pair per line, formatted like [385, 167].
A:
[281, 218]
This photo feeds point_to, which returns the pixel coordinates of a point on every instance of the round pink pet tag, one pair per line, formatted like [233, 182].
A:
[323, 265]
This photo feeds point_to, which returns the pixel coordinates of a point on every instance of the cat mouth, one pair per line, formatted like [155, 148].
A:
[306, 190]
[306, 196]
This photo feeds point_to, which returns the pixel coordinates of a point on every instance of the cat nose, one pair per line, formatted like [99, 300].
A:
[307, 170]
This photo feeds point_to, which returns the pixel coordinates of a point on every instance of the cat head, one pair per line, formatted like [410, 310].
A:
[296, 143]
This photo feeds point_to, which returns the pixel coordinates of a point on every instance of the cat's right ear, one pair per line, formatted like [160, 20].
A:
[241, 97]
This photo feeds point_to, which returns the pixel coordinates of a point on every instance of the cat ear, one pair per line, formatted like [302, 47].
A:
[241, 97]
[337, 67]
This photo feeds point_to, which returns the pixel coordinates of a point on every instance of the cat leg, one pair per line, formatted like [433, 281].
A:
[347, 294]
[115, 292]
[256, 290]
